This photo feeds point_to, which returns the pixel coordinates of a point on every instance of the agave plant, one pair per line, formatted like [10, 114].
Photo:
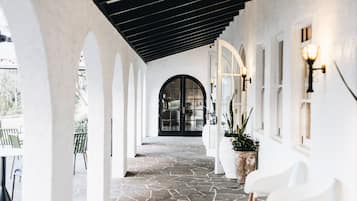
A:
[241, 141]
[230, 118]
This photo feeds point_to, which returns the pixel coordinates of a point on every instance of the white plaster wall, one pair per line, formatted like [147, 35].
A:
[194, 62]
[334, 112]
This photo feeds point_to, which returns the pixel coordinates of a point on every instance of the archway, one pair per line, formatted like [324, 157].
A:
[36, 99]
[182, 107]
[131, 113]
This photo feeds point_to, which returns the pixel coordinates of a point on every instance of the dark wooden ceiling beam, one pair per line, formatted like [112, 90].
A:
[159, 28]
[165, 6]
[185, 24]
[176, 51]
[187, 46]
[180, 13]
[177, 45]
[125, 6]
[174, 32]
[173, 21]
[180, 38]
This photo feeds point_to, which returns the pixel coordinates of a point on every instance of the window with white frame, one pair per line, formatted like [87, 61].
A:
[260, 89]
[305, 105]
[277, 88]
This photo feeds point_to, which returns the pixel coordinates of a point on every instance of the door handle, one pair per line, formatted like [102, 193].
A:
[183, 110]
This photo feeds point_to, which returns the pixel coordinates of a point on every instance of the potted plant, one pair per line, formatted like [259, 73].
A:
[245, 149]
[238, 151]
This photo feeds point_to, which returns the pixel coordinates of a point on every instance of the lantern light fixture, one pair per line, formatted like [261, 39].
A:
[309, 54]
[244, 77]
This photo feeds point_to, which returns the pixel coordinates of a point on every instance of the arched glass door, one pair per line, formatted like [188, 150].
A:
[182, 107]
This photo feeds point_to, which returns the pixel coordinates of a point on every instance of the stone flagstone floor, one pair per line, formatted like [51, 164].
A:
[177, 169]
[165, 169]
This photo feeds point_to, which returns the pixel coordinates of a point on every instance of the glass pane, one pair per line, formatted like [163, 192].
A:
[171, 106]
[194, 106]
[238, 98]
[306, 120]
[226, 61]
[227, 91]
[263, 67]
[279, 112]
[281, 62]
[236, 69]
[262, 109]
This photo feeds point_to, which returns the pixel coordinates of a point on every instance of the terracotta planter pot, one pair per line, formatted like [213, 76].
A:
[246, 162]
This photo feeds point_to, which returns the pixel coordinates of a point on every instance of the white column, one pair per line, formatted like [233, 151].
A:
[218, 169]
[98, 172]
[119, 152]
[131, 114]
[143, 108]
[139, 139]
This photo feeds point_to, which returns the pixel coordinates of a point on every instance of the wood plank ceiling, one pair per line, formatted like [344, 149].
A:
[159, 28]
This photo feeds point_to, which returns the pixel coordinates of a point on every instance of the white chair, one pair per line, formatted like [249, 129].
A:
[261, 183]
[321, 190]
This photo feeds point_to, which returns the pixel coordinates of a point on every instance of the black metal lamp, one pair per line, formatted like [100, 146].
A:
[310, 53]
[4, 38]
[245, 79]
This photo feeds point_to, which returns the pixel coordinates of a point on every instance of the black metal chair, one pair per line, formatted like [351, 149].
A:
[9, 138]
[80, 147]
[5, 134]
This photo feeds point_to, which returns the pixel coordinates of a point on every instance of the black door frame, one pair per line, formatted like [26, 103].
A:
[182, 131]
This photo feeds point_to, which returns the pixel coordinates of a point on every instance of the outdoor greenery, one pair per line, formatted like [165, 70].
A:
[10, 96]
[81, 101]
[242, 141]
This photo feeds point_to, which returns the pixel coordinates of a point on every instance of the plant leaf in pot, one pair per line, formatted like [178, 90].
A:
[241, 141]
[230, 120]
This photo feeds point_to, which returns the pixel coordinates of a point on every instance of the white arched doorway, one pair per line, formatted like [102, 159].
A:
[131, 114]
[229, 88]
[119, 137]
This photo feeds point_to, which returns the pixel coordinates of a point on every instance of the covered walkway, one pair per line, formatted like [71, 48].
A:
[105, 78]
[173, 168]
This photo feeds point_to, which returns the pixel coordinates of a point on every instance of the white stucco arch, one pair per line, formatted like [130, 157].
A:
[131, 114]
[119, 137]
[34, 77]
[98, 158]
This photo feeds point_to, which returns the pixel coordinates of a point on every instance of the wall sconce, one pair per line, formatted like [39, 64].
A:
[245, 79]
[213, 85]
[310, 53]
[4, 38]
